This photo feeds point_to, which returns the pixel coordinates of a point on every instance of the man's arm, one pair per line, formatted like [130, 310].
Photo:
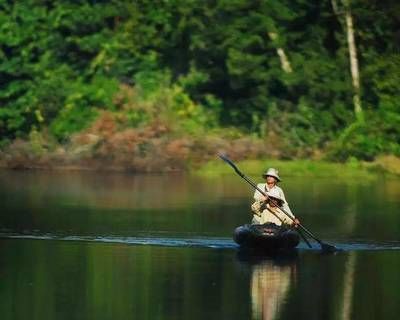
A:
[285, 206]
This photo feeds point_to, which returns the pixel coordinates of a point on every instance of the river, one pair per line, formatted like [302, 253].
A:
[84, 245]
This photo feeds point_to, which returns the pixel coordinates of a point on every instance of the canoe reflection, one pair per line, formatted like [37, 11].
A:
[271, 277]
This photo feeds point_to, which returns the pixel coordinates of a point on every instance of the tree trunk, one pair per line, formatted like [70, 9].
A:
[285, 63]
[354, 68]
[355, 74]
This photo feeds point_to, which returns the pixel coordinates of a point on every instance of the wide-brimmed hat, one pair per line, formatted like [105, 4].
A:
[271, 172]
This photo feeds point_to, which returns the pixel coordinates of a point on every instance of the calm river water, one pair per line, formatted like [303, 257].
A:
[120, 246]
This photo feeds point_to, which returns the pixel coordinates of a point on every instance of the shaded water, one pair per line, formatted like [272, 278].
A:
[118, 246]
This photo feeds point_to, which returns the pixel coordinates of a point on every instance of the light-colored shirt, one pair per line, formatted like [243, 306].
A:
[262, 212]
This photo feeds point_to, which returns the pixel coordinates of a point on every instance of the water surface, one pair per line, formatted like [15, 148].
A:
[119, 246]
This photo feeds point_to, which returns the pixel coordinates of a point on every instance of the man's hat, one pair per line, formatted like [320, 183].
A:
[271, 172]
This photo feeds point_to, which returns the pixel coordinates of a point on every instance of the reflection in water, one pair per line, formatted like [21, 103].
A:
[138, 247]
[348, 286]
[79, 203]
[350, 216]
[270, 282]
[116, 191]
[57, 280]
[88, 203]
[269, 286]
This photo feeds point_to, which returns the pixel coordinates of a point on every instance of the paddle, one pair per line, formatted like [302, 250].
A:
[324, 246]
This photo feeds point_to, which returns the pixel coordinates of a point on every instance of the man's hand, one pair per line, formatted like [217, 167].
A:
[296, 223]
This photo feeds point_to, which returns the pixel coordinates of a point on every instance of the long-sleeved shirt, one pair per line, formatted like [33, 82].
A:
[262, 211]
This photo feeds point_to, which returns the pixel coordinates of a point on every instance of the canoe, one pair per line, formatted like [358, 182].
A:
[266, 237]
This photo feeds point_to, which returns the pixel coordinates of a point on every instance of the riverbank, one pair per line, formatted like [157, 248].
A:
[386, 165]
[158, 147]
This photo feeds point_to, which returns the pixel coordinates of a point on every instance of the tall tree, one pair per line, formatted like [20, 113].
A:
[354, 64]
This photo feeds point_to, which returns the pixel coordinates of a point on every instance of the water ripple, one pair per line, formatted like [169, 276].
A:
[217, 243]
[205, 242]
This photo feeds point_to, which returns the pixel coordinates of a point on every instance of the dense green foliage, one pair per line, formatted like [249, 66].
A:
[216, 63]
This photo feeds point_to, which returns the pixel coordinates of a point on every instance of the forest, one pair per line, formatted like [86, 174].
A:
[146, 85]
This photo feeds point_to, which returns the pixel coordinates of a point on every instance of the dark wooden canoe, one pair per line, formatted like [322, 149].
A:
[267, 237]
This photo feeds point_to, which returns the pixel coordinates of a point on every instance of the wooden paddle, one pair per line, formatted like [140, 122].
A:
[324, 246]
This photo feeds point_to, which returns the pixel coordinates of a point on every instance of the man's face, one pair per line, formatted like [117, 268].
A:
[271, 180]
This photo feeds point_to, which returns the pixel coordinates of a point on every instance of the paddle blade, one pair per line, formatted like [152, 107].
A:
[227, 160]
[327, 248]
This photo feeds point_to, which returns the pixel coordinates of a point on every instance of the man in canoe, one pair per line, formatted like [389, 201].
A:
[266, 210]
